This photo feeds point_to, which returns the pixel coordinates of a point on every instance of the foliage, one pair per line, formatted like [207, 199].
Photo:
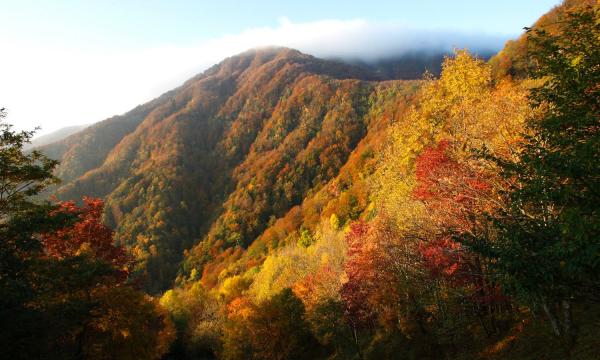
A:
[197, 318]
[546, 250]
[322, 215]
[64, 284]
[515, 58]
[274, 329]
[23, 175]
[87, 236]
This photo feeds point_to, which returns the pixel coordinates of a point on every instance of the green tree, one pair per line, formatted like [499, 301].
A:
[22, 176]
[64, 285]
[279, 329]
[547, 251]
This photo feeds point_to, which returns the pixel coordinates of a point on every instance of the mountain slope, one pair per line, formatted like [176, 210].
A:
[277, 193]
[54, 136]
[220, 158]
[89, 148]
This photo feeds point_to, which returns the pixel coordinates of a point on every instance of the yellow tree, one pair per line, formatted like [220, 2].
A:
[467, 111]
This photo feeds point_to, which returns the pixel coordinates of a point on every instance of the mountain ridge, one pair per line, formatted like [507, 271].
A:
[54, 136]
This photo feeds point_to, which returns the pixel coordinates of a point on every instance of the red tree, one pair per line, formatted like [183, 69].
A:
[361, 275]
[86, 235]
[456, 195]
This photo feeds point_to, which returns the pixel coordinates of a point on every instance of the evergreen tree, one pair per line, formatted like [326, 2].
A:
[547, 251]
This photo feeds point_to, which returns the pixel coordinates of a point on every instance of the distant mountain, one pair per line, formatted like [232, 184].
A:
[412, 65]
[89, 148]
[208, 167]
[54, 136]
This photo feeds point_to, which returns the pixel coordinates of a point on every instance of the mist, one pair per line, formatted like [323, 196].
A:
[72, 87]
[360, 40]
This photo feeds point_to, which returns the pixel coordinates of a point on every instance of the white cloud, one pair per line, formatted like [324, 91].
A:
[53, 88]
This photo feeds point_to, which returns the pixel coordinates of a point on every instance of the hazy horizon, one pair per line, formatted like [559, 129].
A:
[77, 72]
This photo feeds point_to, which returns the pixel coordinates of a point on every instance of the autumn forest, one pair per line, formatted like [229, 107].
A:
[283, 206]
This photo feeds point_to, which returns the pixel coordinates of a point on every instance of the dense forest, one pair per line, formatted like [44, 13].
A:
[281, 206]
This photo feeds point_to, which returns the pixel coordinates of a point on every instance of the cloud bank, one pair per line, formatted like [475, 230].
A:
[53, 88]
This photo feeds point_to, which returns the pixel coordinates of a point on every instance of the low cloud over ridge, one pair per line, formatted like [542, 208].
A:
[365, 41]
[73, 87]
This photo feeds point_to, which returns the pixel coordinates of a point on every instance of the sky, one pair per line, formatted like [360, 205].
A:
[71, 62]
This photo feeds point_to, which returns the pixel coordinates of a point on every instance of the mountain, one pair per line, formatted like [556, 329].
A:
[89, 148]
[412, 65]
[296, 207]
[195, 177]
[212, 163]
[54, 136]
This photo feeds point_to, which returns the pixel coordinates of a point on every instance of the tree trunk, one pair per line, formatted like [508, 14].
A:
[568, 321]
[553, 320]
[355, 336]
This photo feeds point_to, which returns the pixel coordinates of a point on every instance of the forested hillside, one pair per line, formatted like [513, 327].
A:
[430, 241]
[217, 159]
[281, 206]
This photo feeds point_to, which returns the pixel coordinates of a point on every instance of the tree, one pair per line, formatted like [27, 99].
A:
[438, 193]
[64, 284]
[362, 277]
[457, 197]
[275, 328]
[86, 235]
[548, 240]
[369, 294]
[280, 331]
[22, 176]
[196, 315]
[91, 298]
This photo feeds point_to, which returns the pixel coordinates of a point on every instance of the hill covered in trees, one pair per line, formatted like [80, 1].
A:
[282, 206]
[217, 159]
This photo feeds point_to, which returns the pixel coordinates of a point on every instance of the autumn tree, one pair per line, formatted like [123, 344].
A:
[359, 269]
[280, 330]
[198, 320]
[436, 193]
[87, 235]
[458, 197]
[107, 316]
[370, 292]
[275, 328]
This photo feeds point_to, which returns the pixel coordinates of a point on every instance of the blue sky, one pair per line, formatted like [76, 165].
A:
[82, 61]
[139, 23]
